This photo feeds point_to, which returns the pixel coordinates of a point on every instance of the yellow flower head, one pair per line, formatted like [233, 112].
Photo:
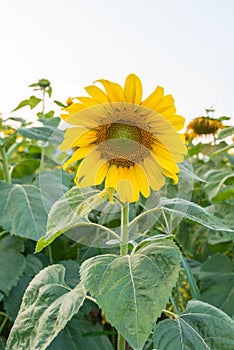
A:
[128, 142]
[203, 126]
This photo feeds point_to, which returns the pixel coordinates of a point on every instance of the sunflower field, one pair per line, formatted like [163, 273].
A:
[116, 226]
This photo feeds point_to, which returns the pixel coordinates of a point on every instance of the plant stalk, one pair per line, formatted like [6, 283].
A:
[123, 252]
[5, 164]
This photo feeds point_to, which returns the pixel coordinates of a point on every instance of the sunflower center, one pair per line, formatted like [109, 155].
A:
[123, 143]
[124, 131]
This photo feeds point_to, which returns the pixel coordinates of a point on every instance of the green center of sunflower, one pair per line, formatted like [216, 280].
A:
[122, 143]
[124, 131]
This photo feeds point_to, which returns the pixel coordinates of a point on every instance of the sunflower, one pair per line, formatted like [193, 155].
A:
[203, 126]
[128, 143]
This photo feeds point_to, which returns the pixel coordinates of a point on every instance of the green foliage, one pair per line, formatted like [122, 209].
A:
[70, 211]
[132, 290]
[42, 296]
[200, 327]
[22, 210]
[12, 263]
[32, 102]
[216, 277]
[48, 304]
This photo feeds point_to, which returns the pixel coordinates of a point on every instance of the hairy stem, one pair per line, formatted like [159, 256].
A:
[123, 252]
[5, 165]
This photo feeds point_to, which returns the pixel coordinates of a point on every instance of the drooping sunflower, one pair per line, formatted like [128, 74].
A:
[128, 143]
[203, 126]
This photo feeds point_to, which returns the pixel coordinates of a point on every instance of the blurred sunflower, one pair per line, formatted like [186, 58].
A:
[128, 142]
[203, 126]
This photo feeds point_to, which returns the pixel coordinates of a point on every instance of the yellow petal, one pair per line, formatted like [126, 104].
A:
[96, 93]
[86, 138]
[88, 117]
[87, 101]
[77, 155]
[153, 172]
[88, 169]
[124, 186]
[177, 121]
[70, 137]
[112, 177]
[152, 100]
[133, 89]
[74, 108]
[132, 178]
[101, 173]
[168, 112]
[113, 90]
[166, 102]
[142, 180]
[165, 160]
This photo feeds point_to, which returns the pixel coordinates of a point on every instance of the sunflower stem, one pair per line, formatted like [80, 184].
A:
[123, 252]
[124, 229]
[5, 165]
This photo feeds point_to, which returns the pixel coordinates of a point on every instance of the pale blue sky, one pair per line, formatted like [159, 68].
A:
[186, 46]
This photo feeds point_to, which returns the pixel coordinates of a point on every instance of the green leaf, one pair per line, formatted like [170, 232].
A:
[55, 121]
[53, 184]
[26, 167]
[195, 149]
[49, 91]
[224, 118]
[21, 104]
[43, 133]
[83, 332]
[216, 282]
[13, 300]
[133, 290]
[72, 276]
[22, 210]
[2, 343]
[60, 104]
[33, 265]
[228, 131]
[33, 101]
[179, 208]
[69, 212]
[222, 150]
[47, 306]
[216, 180]
[200, 327]
[12, 263]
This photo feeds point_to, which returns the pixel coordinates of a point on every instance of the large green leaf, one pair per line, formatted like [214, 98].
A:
[200, 327]
[47, 306]
[133, 290]
[43, 133]
[53, 184]
[228, 131]
[216, 181]
[83, 332]
[179, 209]
[32, 267]
[22, 210]
[217, 282]
[70, 212]
[26, 167]
[12, 263]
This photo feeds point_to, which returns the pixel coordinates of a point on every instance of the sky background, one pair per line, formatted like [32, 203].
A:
[186, 46]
